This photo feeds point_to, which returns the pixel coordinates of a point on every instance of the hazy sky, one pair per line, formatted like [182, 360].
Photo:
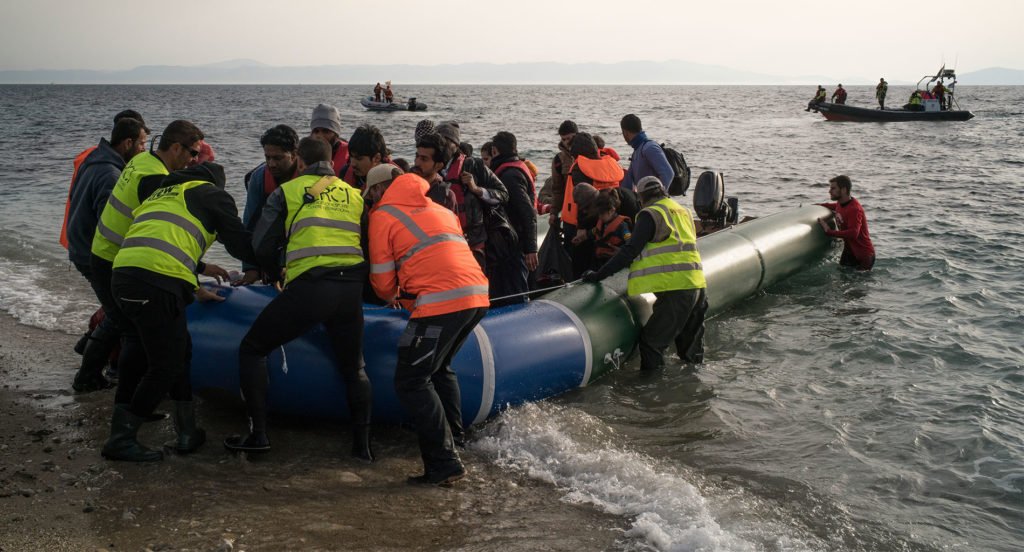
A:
[896, 38]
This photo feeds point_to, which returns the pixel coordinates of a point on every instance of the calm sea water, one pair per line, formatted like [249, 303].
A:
[836, 411]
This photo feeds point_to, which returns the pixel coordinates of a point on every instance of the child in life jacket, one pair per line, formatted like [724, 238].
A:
[612, 229]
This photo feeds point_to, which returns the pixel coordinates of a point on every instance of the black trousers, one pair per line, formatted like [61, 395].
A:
[426, 385]
[107, 335]
[678, 318]
[159, 349]
[335, 303]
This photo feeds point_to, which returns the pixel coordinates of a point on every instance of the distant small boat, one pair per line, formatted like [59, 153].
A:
[841, 112]
[932, 108]
[410, 105]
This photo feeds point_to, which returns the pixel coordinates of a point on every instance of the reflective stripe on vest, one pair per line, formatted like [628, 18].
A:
[673, 262]
[166, 238]
[117, 214]
[424, 241]
[448, 295]
[323, 230]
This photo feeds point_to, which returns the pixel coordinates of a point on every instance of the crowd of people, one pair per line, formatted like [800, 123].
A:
[335, 223]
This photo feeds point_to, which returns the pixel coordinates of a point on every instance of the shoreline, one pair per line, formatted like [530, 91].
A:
[57, 493]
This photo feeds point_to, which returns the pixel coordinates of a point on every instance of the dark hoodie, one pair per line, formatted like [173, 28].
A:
[89, 193]
[216, 210]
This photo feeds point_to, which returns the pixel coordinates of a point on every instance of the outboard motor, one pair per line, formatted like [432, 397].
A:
[714, 209]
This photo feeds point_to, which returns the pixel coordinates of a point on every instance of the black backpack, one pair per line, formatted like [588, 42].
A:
[681, 181]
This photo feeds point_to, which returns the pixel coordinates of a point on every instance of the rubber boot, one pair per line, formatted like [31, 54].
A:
[123, 443]
[190, 437]
[95, 356]
[360, 407]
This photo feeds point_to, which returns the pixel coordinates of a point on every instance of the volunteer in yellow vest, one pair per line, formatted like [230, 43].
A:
[310, 225]
[154, 281]
[668, 265]
[143, 174]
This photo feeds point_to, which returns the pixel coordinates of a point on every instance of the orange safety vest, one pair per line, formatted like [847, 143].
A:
[419, 255]
[67, 205]
[604, 172]
[608, 241]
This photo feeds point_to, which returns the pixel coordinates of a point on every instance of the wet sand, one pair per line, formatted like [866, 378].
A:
[57, 493]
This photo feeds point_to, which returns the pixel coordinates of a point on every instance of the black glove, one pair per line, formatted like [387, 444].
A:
[590, 276]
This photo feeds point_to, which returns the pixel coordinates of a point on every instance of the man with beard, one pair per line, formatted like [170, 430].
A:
[280, 145]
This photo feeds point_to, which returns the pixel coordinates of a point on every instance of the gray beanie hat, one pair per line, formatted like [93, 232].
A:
[423, 128]
[326, 116]
[450, 131]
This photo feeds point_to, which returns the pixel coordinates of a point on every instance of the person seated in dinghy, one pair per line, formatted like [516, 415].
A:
[819, 98]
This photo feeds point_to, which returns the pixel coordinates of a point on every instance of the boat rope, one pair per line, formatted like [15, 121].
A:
[531, 292]
[493, 299]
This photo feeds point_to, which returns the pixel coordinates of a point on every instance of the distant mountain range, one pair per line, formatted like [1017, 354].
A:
[244, 71]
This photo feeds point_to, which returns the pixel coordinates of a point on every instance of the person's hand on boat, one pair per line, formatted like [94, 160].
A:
[216, 272]
[205, 295]
[590, 277]
[531, 261]
[824, 225]
[470, 183]
[248, 277]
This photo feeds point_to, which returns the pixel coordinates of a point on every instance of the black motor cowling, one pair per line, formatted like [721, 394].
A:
[710, 203]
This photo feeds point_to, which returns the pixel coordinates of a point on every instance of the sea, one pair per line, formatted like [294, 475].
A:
[836, 410]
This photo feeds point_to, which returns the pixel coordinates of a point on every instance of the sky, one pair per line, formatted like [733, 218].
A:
[896, 38]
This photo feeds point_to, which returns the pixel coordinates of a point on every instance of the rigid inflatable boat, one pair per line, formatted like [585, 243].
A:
[400, 105]
[518, 353]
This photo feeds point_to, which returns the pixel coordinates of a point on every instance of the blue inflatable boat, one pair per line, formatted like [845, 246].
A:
[518, 353]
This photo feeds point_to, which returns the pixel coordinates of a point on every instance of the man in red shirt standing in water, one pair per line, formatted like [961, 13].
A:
[853, 225]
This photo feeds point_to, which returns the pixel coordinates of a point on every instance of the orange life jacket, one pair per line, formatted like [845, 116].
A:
[67, 205]
[419, 255]
[604, 172]
[608, 240]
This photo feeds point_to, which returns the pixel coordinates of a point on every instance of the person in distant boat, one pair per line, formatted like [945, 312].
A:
[880, 92]
[940, 94]
[819, 97]
[858, 251]
[280, 151]
[389, 96]
[326, 125]
[669, 266]
[839, 96]
[376, 92]
[314, 220]
[91, 186]
[416, 263]
[916, 103]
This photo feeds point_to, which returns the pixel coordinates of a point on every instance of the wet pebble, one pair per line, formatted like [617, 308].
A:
[225, 545]
[27, 493]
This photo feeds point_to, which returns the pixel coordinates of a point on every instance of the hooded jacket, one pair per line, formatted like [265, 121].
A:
[216, 210]
[521, 212]
[89, 193]
[419, 255]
